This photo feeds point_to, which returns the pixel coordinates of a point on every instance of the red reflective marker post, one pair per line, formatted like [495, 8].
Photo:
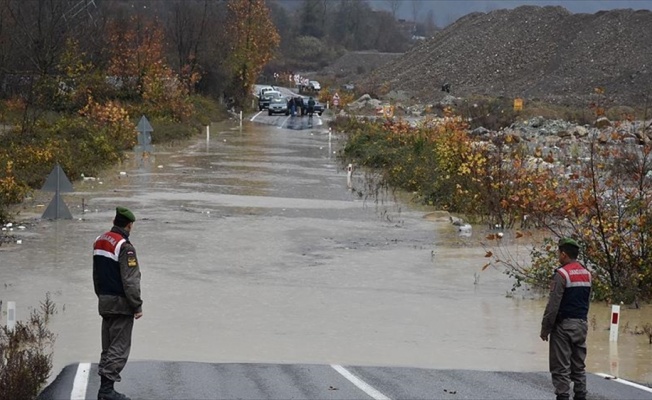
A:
[615, 319]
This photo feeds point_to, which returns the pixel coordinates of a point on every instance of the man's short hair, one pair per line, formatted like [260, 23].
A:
[570, 247]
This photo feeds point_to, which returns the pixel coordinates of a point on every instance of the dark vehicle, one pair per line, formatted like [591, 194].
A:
[278, 105]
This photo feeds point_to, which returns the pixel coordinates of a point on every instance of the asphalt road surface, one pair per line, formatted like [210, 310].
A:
[186, 380]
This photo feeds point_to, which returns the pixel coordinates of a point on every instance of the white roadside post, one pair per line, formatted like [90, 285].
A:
[11, 315]
[349, 173]
[613, 359]
[240, 119]
[615, 320]
[330, 144]
[208, 138]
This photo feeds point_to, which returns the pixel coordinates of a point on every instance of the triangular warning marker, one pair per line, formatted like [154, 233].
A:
[144, 125]
[57, 181]
[57, 209]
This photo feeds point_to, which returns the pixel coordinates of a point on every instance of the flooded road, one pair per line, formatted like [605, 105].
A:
[253, 249]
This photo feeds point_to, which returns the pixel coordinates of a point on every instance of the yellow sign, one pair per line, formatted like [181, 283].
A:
[518, 104]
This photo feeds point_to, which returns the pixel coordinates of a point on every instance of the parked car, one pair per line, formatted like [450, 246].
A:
[266, 97]
[278, 105]
[314, 86]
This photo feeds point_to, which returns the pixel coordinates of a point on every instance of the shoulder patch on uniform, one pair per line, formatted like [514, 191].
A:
[131, 261]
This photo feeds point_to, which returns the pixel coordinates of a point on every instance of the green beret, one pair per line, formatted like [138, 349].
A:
[568, 241]
[125, 213]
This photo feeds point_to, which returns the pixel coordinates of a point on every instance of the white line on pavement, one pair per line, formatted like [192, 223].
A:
[362, 385]
[625, 382]
[286, 120]
[252, 118]
[81, 382]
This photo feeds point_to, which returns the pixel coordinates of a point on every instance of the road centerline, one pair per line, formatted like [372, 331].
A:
[362, 385]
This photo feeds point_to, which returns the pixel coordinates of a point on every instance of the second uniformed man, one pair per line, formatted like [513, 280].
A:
[116, 277]
[565, 321]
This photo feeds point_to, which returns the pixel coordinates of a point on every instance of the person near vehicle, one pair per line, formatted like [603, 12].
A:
[291, 106]
[565, 322]
[298, 101]
[116, 277]
[311, 106]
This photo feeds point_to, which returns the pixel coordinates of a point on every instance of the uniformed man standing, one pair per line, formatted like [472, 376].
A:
[116, 276]
[565, 320]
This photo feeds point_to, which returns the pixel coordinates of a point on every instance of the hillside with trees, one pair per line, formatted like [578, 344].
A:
[76, 75]
[314, 33]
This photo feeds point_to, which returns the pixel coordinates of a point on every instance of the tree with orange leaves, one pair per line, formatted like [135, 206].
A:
[254, 39]
[141, 72]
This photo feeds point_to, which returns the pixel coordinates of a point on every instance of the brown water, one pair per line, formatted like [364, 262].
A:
[254, 250]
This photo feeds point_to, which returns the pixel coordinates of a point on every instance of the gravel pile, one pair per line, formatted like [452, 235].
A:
[355, 64]
[544, 53]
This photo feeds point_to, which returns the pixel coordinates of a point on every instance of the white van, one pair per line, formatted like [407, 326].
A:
[265, 89]
[266, 96]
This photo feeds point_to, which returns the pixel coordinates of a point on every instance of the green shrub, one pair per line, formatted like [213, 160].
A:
[26, 354]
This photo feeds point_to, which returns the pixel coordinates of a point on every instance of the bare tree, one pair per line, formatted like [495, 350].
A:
[39, 31]
[417, 5]
[186, 27]
[394, 6]
[431, 26]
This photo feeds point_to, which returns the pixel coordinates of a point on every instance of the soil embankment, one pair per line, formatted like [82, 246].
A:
[544, 53]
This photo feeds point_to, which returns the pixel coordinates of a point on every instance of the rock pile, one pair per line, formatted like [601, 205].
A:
[544, 53]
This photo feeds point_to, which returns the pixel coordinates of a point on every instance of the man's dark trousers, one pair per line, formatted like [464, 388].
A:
[116, 344]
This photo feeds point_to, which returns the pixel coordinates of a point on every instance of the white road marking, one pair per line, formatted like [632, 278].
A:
[624, 382]
[286, 120]
[362, 385]
[259, 112]
[81, 382]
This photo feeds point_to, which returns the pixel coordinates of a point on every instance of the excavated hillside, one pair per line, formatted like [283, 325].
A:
[544, 53]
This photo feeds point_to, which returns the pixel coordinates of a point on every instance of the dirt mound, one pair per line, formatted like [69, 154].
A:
[546, 53]
[358, 63]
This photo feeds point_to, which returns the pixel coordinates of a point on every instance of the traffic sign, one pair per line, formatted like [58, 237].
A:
[145, 130]
[336, 99]
[58, 183]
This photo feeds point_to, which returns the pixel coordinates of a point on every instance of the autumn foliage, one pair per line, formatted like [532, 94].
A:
[253, 40]
[603, 199]
[80, 109]
[140, 71]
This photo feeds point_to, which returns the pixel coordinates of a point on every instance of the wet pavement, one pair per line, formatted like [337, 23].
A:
[185, 380]
[254, 250]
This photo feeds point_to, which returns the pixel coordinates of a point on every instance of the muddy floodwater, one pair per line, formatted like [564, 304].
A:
[253, 249]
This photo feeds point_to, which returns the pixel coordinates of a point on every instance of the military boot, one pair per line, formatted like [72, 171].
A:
[107, 392]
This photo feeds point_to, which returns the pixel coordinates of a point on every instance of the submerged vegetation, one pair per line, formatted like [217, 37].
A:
[600, 194]
[73, 91]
